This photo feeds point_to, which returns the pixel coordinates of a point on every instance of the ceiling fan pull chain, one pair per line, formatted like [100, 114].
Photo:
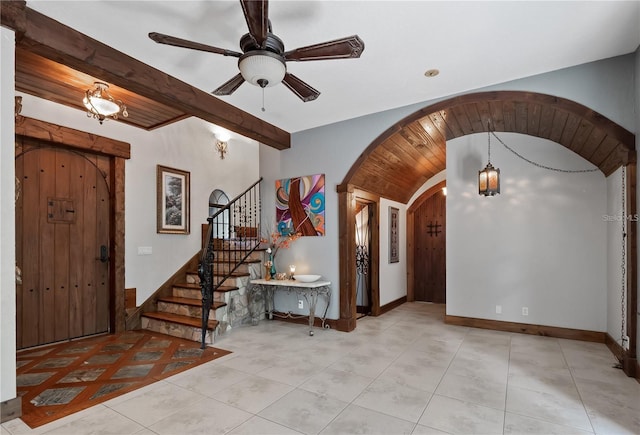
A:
[263, 99]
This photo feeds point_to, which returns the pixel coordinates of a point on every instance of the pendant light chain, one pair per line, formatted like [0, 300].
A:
[489, 147]
[623, 283]
[567, 171]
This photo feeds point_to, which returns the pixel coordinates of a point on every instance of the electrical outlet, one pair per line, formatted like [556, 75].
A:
[498, 309]
[301, 304]
[525, 311]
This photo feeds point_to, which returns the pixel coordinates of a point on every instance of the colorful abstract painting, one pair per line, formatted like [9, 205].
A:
[300, 205]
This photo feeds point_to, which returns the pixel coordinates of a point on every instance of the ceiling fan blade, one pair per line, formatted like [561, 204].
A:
[257, 15]
[161, 38]
[230, 86]
[300, 88]
[343, 48]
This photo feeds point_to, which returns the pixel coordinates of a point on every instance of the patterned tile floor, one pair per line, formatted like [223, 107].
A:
[61, 379]
[405, 372]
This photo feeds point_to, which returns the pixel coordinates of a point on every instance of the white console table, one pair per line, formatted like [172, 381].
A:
[309, 290]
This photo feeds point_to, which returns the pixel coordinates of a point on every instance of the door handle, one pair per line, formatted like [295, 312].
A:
[104, 254]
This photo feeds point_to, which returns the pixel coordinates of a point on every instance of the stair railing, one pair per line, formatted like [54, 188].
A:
[232, 235]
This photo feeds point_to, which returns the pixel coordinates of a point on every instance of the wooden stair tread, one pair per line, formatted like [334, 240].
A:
[182, 320]
[248, 260]
[235, 274]
[226, 288]
[188, 285]
[189, 301]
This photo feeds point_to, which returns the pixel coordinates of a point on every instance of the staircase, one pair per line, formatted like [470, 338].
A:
[231, 256]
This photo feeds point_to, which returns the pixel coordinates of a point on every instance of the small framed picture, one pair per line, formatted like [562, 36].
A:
[173, 190]
[394, 248]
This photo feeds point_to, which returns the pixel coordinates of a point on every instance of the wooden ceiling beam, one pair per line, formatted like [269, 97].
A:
[53, 40]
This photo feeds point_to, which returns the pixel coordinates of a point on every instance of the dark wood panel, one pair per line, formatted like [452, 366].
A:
[526, 328]
[69, 137]
[61, 247]
[50, 80]
[429, 259]
[78, 175]
[46, 240]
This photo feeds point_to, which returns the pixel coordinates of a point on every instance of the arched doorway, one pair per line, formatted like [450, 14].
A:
[427, 213]
[407, 154]
[217, 201]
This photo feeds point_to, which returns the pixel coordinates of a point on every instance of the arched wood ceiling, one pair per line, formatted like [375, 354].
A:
[412, 151]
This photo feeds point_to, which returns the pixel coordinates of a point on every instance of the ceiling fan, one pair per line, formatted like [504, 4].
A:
[263, 58]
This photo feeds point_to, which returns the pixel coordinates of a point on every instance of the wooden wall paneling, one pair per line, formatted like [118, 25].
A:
[619, 156]
[447, 129]
[61, 244]
[102, 238]
[68, 137]
[496, 113]
[76, 272]
[546, 121]
[90, 249]
[474, 117]
[19, 216]
[570, 129]
[534, 112]
[410, 255]
[46, 169]
[606, 147]
[116, 253]
[508, 115]
[584, 131]
[347, 251]
[590, 144]
[408, 152]
[460, 115]
[30, 330]
[559, 121]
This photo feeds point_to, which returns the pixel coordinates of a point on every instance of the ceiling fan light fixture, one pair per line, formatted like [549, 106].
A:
[262, 68]
[101, 105]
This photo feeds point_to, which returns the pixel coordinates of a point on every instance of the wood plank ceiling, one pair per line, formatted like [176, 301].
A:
[411, 152]
[52, 81]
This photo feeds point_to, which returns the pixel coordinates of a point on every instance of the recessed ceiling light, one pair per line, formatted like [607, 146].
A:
[431, 72]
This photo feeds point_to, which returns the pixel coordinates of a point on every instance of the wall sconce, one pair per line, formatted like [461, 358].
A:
[489, 177]
[101, 105]
[222, 139]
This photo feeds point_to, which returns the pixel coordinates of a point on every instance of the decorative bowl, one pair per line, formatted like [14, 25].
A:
[280, 276]
[306, 278]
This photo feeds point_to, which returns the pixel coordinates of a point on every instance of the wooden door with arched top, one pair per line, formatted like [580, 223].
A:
[62, 243]
[430, 229]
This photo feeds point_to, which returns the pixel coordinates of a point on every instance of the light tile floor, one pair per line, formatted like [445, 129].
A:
[404, 372]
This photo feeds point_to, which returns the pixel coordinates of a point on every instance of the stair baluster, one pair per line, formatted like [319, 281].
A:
[241, 217]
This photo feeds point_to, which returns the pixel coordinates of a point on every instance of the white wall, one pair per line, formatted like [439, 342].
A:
[393, 276]
[537, 245]
[186, 145]
[605, 86]
[7, 219]
[613, 223]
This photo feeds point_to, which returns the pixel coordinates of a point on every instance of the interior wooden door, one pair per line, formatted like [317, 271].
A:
[430, 248]
[62, 243]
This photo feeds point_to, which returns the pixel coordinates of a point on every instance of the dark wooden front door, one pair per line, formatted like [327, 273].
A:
[429, 259]
[62, 243]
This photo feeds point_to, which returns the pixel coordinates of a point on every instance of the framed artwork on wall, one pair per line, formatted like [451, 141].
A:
[173, 207]
[300, 205]
[394, 249]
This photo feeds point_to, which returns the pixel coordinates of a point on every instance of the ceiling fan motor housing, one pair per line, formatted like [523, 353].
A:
[262, 67]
